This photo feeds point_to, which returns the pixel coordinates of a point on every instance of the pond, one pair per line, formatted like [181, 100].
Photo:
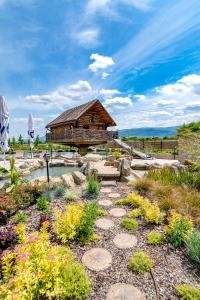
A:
[53, 171]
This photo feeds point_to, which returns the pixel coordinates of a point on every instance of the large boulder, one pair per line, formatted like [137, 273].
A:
[79, 177]
[68, 180]
[92, 157]
[125, 167]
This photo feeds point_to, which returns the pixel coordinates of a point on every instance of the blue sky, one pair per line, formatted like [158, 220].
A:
[140, 57]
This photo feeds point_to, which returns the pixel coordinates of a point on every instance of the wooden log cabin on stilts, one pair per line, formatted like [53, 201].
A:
[82, 126]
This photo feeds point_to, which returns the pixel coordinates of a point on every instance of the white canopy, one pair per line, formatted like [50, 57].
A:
[4, 125]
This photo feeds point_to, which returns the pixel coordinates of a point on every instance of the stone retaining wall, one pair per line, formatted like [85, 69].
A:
[189, 148]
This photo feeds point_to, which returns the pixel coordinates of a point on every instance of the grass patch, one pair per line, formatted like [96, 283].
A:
[70, 196]
[187, 292]
[155, 238]
[21, 217]
[130, 224]
[140, 262]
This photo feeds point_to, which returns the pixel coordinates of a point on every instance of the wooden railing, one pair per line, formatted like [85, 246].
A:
[82, 135]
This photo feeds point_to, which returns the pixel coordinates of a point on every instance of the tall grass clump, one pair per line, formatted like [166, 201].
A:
[142, 186]
[168, 176]
[92, 186]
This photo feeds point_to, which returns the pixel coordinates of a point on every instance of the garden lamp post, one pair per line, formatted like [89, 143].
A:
[47, 159]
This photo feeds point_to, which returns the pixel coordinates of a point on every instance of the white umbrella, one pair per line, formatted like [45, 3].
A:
[4, 125]
[31, 131]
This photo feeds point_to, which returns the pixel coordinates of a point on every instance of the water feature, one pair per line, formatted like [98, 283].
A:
[53, 171]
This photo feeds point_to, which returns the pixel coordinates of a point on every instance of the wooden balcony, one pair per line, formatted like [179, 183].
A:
[79, 136]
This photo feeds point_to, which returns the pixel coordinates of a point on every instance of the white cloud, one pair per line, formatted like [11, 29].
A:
[87, 38]
[63, 95]
[109, 93]
[118, 102]
[110, 7]
[100, 62]
[168, 105]
[140, 97]
[104, 75]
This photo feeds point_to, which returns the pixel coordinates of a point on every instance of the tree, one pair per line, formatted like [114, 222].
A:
[20, 140]
[37, 140]
[13, 141]
[9, 142]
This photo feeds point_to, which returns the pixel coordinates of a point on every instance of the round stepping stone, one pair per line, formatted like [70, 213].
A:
[106, 190]
[114, 195]
[104, 223]
[123, 291]
[105, 202]
[97, 259]
[125, 241]
[117, 212]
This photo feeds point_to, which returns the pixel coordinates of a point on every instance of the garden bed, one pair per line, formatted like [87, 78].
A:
[172, 265]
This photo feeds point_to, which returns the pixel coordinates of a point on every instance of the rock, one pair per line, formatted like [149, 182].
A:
[125, 241]
[93, 157]
[124, 291]
[106, 190]
[113, 195]
[104, 223]
[79, 177]
[108, 183]
[97, 259]
[68, 180]
[125, 167]
[105, 202]
[117, 212]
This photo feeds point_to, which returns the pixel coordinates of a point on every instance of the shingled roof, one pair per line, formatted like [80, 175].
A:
[75, 113]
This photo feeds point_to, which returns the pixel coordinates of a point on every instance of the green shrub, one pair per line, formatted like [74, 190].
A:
[39, 270]
[59, 191]
[187, 292]
[122, 202]
[140, 262]
[101, 212]
[155, 238]
[92, 186]
[142, 186]
[87, 226]
[42, 203]
[135, 213]
[21, 217]
[130, 224]
[193, 246]
[116, 154]
[178, 229]
[48, 195]
[76, 222]
[70, 196]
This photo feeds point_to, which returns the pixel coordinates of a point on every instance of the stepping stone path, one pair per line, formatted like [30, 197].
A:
[117, 212]
[104, 223]
[114, 195]
[97, 259]
[105, 202]
[125, 241]
[106, 190]
[109, 183]
[121, 291]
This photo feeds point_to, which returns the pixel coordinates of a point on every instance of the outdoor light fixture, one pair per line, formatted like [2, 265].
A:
[47, 159]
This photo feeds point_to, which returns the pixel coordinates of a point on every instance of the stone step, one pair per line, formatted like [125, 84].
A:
[108, 183]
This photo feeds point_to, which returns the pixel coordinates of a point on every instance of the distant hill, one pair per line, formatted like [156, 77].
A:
[149, 132]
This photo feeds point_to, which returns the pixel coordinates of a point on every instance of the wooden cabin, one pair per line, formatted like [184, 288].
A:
[82, 126]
